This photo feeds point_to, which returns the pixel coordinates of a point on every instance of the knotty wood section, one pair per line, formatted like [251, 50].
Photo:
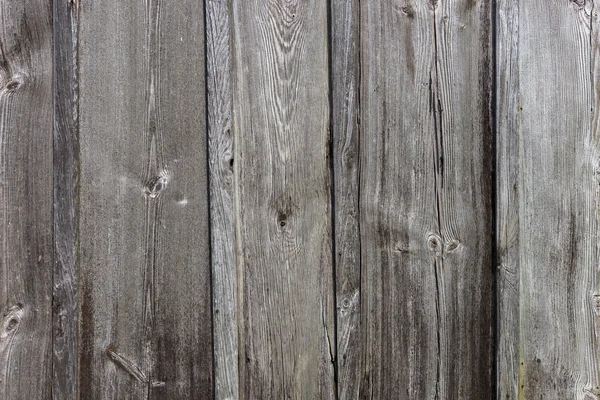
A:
[220, 144]
[26, 199]
[66, 211]
[345, 81]
[426, 199]
[548, 201]
[145, 305]
[283, 202]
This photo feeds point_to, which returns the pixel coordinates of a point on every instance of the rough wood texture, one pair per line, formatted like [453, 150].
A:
[145, 323]
[66, 164]
[283, 202]
[507, 213]
[220, 145]
[548, 208]
[345, 76]
[25, 199]
[426, 199]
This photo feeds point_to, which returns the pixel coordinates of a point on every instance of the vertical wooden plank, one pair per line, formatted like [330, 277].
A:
[66, 161]
[345, 78]
[507, 213]
[220, 149]
[146, 328]
[426, 199]
[554, 177]
[26, 199]
[282, 177]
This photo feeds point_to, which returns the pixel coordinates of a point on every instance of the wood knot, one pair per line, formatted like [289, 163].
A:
[596, 303]
[155, 185]
[11, 320]
[452, 246]
[409, 11]
[282, 220]
[15, 83]
[434, 243]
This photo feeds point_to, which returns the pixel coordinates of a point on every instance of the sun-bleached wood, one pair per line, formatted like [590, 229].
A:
[426, 198]
[144, 291]
[548, 163]
[26, 255]
[283, 199]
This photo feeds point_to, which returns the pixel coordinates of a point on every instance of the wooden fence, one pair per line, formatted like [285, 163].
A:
[299, 199]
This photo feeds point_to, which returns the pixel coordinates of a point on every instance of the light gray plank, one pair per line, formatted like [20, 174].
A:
[283, 202]
[66, 211]
[555, 183]
[145, 329]
[25, 200]
[345, 74]
[220, 148]
[426, 199]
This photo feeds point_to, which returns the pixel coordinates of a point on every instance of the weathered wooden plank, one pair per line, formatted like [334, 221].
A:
[26, 199]
[507, 211]
[548, 216]
[345, 79]
[145, 302]
[66, 159]
[220, 149]
[283, 202]
[426, 191]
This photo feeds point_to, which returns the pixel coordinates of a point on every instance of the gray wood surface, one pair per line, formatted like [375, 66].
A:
[66, 211]
[283, 201]
[548, 215]
[145, 322]
[221, 162]
[426, 199]
[345, 96]
[25, 199]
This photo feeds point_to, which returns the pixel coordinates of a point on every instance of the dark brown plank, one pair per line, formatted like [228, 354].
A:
[426, 190]
[345, 96]
[145, 303]
[26, 199]
[66, 183]
[283, 202]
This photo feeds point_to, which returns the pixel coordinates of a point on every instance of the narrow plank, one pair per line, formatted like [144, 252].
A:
[220, 149]
[26, 199]
[507, 212]
[145, 328]
[426, 193]
[283, 201]
[345, 78]
[66, 160]
[555, 185]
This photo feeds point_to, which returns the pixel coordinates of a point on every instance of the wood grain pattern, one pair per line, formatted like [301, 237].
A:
[25, 199]
[283, 202]
[507, 212]
[145, 328]
[66, 212]
[221, 161]
[549, 207]
[345, 96]
[426, 199]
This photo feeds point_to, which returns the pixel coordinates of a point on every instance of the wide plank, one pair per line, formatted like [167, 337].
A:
[144, 290]
[548, 213]
[426, 199]
[283, 200]
[26, 249]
